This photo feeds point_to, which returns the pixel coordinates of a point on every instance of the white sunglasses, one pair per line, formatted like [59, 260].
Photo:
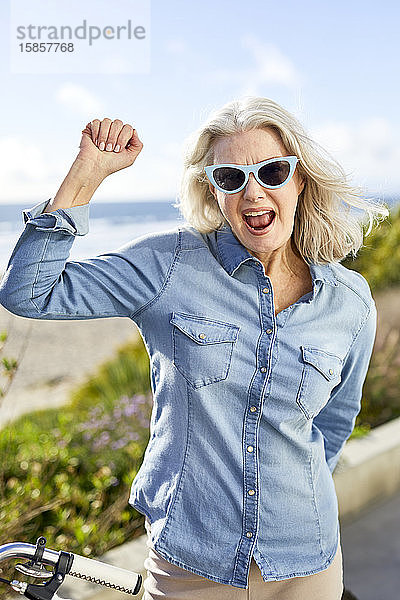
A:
[272, 174]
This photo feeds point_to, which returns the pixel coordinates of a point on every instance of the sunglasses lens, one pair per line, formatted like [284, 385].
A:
[229, 178]
[275, 173]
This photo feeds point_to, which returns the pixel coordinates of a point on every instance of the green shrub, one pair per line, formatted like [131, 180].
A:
[127, 373]
[66, 472]
[379, 259]
[381, 400]
[8, 368]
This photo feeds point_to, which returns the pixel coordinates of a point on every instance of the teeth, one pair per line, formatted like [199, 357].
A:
[255, 214]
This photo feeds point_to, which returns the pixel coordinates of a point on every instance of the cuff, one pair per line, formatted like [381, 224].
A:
[74, 220]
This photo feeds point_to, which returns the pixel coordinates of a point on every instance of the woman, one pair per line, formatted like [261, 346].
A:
[259, 343]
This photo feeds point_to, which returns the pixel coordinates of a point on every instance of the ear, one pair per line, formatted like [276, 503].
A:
[212, 189]
[300, 185]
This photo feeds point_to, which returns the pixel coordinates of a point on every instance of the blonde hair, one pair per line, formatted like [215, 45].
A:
[324, 229]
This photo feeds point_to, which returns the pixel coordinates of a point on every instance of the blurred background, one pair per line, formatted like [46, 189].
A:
[333, 65]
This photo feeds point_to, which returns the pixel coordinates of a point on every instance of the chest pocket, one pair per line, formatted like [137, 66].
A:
[202, 348]
[320, 374]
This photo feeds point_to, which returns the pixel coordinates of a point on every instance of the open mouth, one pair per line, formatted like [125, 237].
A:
[260, 223]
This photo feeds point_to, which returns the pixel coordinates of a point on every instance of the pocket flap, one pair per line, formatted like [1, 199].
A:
[203, 330]
[328, 364]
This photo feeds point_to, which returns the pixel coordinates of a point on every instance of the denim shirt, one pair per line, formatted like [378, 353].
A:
[251, 409]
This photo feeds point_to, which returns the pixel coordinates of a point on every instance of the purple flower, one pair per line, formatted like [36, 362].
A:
[119, 444]
[130, 410]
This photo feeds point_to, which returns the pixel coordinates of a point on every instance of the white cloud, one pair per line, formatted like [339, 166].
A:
[115, 64]
[368, 150]
[175, 46]
[267, 65]
[21, 161]
[79, 99]
[27, 170]
[154, 177]
[271, 65]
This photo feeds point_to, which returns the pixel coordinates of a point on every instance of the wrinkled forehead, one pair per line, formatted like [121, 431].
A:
[248, 147]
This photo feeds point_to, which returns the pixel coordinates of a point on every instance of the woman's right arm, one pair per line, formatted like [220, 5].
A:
[41, 283]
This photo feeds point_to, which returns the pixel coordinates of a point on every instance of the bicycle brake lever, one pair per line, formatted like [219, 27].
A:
[35, 567]
[48, 590]
[31, 570]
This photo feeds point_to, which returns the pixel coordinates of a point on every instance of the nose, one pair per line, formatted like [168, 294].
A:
[253, 190]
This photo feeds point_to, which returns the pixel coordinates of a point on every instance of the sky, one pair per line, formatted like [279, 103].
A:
[334, 65]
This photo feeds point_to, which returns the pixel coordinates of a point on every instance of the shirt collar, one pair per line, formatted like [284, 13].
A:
[233, 254]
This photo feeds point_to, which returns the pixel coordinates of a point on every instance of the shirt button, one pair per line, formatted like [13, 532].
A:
[265, 290]
[269, 330]
[250, 448]
[253, 408]
[251, 492]
[263, 369]
[202, 336]
[331, 371]
[249, 534]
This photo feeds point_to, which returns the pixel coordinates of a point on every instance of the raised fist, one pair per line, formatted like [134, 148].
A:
[111, 145]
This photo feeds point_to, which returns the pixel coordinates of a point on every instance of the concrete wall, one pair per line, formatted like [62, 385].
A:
[369, 469]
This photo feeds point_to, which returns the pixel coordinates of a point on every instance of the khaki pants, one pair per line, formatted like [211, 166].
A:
[165, 580]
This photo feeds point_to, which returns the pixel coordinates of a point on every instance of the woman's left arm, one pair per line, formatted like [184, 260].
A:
[337, 418]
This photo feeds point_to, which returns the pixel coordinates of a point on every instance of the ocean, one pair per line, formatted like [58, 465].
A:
[111, 225]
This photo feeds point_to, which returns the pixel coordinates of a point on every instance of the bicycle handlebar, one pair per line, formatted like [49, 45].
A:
[80, 567]
[105, 574]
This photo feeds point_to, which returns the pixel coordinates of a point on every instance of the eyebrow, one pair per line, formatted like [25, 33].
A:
[257, 163]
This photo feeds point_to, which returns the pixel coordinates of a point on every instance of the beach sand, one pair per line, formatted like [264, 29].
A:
[57, 355]
[60, 354]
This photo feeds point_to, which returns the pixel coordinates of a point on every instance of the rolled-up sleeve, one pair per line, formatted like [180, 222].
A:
[74, 221]
[40, 282]
[337, 419]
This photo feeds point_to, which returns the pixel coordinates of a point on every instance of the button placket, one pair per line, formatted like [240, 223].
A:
[251, 483]
[256, 396]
